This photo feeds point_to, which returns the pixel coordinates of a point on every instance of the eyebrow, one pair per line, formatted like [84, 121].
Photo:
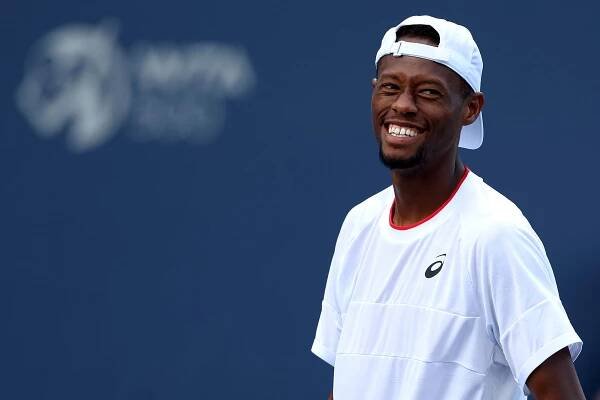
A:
[421, 79]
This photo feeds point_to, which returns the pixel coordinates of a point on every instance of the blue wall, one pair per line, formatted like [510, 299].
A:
[181, 268]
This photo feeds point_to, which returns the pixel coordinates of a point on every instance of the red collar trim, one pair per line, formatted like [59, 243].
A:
[433, 214]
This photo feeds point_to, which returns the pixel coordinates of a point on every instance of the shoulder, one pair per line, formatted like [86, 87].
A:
[372, 206]
[366, 213]
[487, 215]
[499, 239]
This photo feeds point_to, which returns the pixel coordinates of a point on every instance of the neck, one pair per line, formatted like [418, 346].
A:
[419, 193]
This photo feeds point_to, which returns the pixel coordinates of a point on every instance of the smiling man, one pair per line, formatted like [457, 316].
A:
[438, 287]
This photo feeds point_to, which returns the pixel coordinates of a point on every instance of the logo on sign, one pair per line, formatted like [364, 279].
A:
[80, 81]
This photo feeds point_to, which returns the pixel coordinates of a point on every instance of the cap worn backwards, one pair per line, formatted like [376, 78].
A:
[457, 50]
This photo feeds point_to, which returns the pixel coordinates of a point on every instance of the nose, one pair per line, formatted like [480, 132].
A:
[404, 103]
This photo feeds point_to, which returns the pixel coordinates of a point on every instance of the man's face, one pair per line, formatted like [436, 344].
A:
[418, 110]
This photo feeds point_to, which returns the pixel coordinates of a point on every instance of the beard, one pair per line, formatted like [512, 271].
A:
[402, 163]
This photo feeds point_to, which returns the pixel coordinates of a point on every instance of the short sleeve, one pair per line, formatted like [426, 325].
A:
[519, 297]
[330, 323]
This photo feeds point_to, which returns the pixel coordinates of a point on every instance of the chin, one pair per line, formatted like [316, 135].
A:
[401, 163]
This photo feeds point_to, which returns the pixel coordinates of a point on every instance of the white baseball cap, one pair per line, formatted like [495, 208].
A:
[457, 50]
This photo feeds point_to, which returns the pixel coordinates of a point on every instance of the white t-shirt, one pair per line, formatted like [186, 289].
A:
[463, 305]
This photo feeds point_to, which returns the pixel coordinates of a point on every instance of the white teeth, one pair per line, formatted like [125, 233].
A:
[398, 131]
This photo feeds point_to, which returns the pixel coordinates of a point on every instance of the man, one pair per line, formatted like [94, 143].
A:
[438, 287]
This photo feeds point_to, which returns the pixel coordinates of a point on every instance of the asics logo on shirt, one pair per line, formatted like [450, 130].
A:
[436, 266]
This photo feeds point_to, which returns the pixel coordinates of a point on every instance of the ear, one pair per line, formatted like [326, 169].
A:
[472, 107]
[373, 82]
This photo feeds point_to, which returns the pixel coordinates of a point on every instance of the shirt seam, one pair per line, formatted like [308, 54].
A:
[412, 358]
[521, 317]
[418, 306]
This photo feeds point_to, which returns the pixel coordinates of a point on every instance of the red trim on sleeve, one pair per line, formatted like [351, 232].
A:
[433, 214]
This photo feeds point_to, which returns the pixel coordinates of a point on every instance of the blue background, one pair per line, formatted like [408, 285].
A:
[178, 271]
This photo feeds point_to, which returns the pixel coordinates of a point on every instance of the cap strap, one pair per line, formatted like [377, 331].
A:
[433, 53]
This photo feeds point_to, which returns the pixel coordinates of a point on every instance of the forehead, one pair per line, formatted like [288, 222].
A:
[409, 67]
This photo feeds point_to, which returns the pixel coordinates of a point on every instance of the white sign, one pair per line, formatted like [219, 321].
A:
[80, 81]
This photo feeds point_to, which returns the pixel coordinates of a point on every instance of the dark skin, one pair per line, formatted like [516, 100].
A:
[556, 379]
[427, 97]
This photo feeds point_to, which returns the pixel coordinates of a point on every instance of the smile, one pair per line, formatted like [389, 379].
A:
[402, 131]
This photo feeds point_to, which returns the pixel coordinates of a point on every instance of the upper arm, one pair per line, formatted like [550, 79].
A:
[555, 378]
[520, 301]
[329, 326]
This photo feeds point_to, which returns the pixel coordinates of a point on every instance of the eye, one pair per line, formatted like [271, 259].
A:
[388, 87]
[430, 92]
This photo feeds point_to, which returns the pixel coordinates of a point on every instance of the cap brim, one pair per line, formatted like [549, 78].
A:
[471, 136]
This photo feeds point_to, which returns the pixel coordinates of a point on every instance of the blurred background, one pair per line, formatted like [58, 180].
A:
[173, 176]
